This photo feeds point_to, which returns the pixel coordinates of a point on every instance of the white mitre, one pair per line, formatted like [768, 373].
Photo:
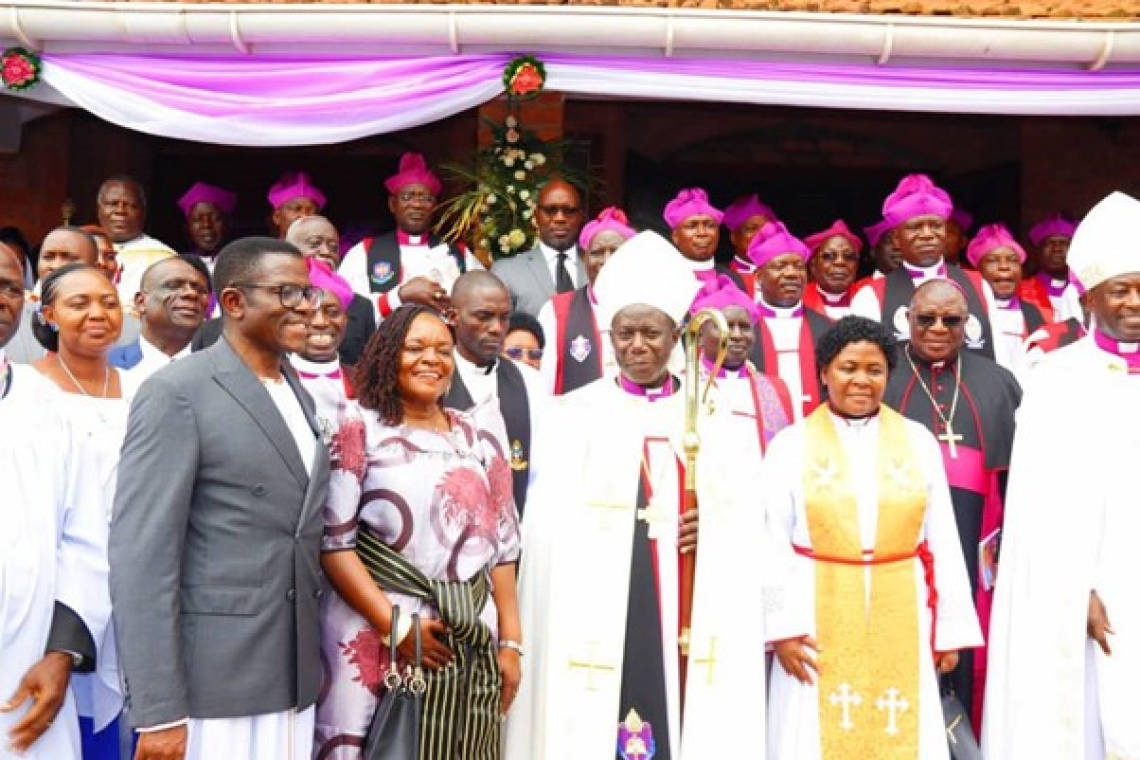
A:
[647, 269]
[1104, 245]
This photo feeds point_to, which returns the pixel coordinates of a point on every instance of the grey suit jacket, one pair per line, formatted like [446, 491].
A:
[528, 278]
[215, 547]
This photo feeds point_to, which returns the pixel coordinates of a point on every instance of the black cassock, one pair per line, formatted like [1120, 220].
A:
[984, 420]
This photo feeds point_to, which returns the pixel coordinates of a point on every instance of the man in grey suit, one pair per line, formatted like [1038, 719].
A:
[554, 265]
[215, 540]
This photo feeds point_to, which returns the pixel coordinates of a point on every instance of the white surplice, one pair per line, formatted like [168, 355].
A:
[574, 582]
[793, 718]
[785, 330]
[53, 547]
[1071, 527]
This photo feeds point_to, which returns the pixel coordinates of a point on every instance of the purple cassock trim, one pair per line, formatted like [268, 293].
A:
[917, 274]
[968, 470]
[649, 394]
[1129, 352]
[1013, 304]
[1051, 286]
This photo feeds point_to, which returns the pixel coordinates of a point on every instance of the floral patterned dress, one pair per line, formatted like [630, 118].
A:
[443, 502]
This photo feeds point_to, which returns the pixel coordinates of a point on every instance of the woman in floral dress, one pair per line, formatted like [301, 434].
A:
[419, 492]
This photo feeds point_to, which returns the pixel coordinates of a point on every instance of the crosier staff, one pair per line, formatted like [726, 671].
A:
[692, 446]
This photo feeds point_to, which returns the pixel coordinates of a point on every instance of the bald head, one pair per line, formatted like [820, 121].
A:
[480, 313]
[316, 236]
[941, 290]
[476, 284]
[937, 319]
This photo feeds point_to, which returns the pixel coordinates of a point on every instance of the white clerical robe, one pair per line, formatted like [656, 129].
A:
[785, 329]
[793, 718]
[53, 547]
[574, 582]
[417, 259]
[1009, 335]
[1051, 694]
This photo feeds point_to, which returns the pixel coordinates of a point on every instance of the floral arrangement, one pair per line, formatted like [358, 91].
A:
[524, 77]
[20, 69]
[496, 215]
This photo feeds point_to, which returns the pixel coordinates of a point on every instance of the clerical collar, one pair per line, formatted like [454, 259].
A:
[741, 371]
[649, 394]
[1008, 304]
[778, 312]
[472, 367]
[1054, 287]
[835, 299]
[406, 238]
[1129, 352]
[310, 370]
[926, 273]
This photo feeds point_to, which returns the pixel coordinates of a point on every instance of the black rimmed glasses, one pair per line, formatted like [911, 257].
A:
[291, 296]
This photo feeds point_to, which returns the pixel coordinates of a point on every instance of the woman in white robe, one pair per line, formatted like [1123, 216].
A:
[847, 718]
[79, 320]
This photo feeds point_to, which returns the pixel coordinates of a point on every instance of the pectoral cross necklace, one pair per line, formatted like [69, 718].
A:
[949, 437]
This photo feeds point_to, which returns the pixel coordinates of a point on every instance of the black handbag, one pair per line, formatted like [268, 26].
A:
[959, 732]
[395, 730]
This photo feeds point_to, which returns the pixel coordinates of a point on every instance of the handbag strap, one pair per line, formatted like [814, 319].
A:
[417, 684]
[392, 678]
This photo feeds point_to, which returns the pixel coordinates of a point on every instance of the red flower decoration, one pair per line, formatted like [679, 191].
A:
[467, 502]
[364, 652]
[20, 69]
[524, 77]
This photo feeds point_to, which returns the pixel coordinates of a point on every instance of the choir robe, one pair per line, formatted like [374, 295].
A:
[886, 299]
[584, 549]
[984, 418]
[53, 551]
[1046, 340]
[834, 307]
[1071, 527]
[578, 347]
[758, 404]
[1062, 296]
[1014, 320]
[507, 406]
[795, 719]
[376, 267]
[785, 347]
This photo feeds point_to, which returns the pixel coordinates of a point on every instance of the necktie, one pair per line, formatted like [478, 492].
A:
[563, 282]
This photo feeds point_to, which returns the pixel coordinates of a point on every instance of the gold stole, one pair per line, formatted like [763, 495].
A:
[869, 659]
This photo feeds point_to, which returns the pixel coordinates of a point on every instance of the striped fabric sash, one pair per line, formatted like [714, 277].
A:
[459, 602]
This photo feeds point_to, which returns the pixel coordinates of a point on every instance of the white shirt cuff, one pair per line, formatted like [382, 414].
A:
[163, 726]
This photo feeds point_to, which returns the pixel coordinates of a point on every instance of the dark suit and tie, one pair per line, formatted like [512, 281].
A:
[529, 278]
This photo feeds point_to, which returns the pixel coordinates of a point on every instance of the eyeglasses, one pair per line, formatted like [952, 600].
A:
[927, 321]
[424, 198]
[555, 210]
[517, 353]
[291, 295]
[830, 257]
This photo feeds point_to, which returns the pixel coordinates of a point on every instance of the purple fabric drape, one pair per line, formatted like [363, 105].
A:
[261, 101]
